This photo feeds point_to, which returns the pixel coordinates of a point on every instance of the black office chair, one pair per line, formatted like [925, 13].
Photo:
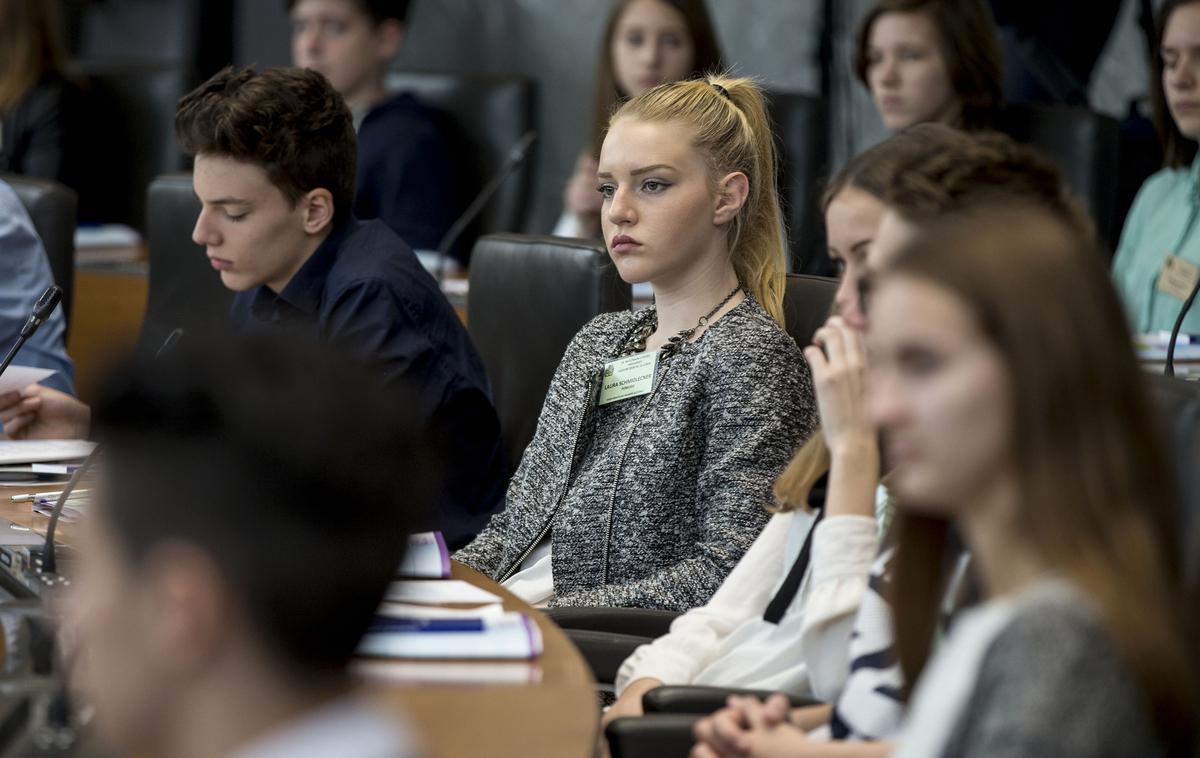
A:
[1179, 402]
[484, 118]
[184, 290]
[1085, 145]
[131, 136]
[607, 636]
[528, 297]
[801, 125]
[52, 208]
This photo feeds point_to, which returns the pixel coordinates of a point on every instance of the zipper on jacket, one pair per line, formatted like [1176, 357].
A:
[587, 404]
[612, 496]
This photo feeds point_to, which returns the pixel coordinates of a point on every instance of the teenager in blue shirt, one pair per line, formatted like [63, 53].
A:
[404, 165]
[274, 172]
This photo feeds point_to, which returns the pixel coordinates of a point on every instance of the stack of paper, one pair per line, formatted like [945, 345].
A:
[1152, 353]
[444, 633]
[427, 557]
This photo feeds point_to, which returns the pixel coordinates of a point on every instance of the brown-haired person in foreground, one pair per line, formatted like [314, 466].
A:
[37, 103]
[275, 158]
[663, 428]
[645, 43]
[931, 61]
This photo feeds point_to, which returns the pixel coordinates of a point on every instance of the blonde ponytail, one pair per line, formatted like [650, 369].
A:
[729, 121]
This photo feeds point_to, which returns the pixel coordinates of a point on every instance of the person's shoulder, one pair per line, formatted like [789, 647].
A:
[749, 332]
[371, 254]
[399, 115]
[1162, 184]
[606, 328]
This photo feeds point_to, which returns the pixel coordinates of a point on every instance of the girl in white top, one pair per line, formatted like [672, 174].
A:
[646, 43]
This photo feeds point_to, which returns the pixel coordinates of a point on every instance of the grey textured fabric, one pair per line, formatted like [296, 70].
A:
[1052, 684]
[651, 501]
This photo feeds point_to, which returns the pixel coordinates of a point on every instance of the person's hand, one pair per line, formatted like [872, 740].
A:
[838, 359]
[41, 413]
[580, 196]
[630, 702]
[749, 728]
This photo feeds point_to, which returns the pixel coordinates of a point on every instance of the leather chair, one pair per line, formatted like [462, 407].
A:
[52, 208]
[184, 290]
[801, 124]
[1084, 144]
[484, 118]
[1179, 403]
[807, 303]
[528, 297]
[131, 136]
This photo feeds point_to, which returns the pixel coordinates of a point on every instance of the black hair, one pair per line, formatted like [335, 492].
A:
[378, 10]
[296, 473]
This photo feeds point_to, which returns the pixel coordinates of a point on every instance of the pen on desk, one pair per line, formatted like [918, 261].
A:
[29, 497]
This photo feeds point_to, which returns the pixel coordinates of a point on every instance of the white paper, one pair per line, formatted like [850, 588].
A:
[14, 452]
[426, 557]
[437, 592]
[406, 610]
[511, 636]
[17, 378]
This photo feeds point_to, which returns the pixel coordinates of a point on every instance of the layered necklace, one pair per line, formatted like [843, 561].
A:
[636, 342]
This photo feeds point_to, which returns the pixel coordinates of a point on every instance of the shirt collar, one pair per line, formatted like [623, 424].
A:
[303, 292]
[1194, 180]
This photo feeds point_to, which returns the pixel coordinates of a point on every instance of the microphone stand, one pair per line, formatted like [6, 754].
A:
[1169, 369]
[516, 157]
[41, 311]
[49, 566]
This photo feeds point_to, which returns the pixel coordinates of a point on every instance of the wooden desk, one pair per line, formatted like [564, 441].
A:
[556, 717]
[559, 717]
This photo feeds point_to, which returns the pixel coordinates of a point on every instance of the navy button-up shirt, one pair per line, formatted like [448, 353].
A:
[365, 292]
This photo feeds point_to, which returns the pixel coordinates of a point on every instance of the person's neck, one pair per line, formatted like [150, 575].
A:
[233, 707]
[366, 97]
[1005, 558]
[310, 245]
[681, 302]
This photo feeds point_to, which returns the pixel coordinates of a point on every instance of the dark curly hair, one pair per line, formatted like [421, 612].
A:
[291, 122]
[953, 174]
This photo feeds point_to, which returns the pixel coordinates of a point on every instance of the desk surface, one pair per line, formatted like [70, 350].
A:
[556, 717]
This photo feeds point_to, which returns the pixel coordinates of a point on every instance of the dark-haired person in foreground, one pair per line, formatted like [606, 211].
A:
[220, 590]
[275, 175]
[404, 165]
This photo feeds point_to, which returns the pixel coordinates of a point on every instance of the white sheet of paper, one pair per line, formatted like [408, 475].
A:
[20, 377]
[13, 452]
[437, 592]
[410, 610]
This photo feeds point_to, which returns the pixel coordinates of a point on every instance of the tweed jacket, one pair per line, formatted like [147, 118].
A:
[674, 496]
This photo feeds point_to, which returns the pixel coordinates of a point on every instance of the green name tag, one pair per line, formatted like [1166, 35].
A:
[631, 376]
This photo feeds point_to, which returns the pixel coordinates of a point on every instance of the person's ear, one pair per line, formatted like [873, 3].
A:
[732, 191]
[318, 210]
[188, 612]
[389, 36]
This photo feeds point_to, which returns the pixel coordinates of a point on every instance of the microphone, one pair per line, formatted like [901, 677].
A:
[1169, 369]
[516, 156]
[41, 311]
[49, 559]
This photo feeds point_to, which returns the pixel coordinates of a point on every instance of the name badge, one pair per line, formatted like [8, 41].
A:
[631, 376]
[1178, 277]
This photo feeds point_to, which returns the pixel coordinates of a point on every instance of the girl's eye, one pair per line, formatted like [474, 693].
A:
[654, 186]
[634, 39]
[607, 190]
[672, 40]
[909, 54]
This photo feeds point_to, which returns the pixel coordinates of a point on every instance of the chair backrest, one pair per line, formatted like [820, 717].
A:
[528, 297]
[1179, 403]
[131, 140]
[1084, 144]
[807, 303]
[484, 117]
[184, 290]
[52, 207]
[801, 125]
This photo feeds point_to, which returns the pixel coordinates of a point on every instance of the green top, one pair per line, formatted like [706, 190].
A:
[1166, 205]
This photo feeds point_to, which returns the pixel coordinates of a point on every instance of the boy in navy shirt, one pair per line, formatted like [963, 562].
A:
[404, 166]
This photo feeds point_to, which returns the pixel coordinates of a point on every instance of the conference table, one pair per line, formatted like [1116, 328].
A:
[549, 709]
